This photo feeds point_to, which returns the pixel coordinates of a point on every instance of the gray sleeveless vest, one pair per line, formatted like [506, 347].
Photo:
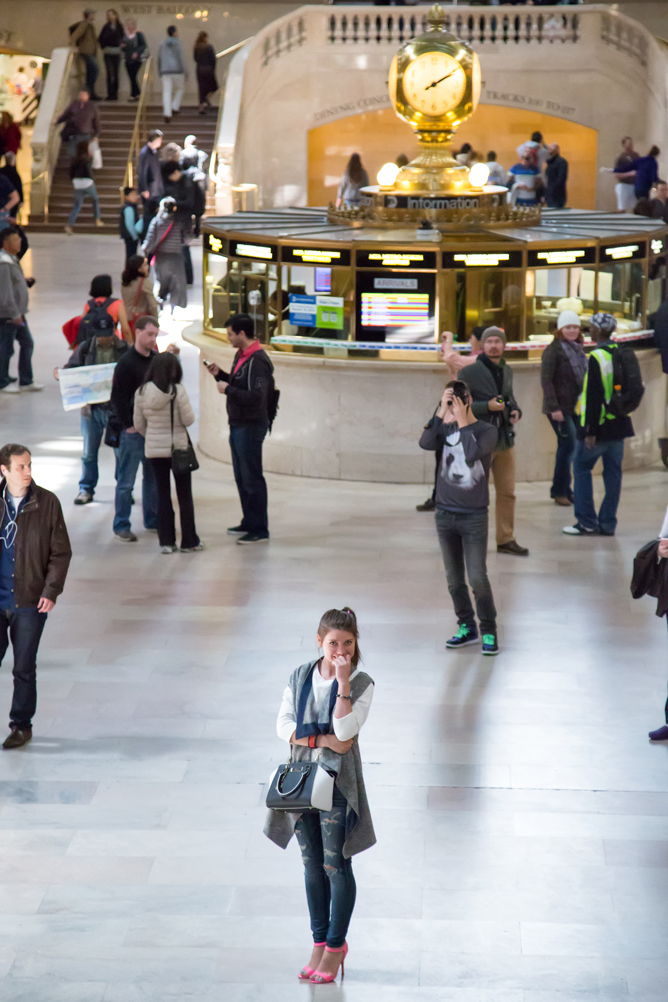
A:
[280, 825]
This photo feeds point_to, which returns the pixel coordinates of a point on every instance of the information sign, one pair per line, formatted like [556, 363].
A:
[316, 311]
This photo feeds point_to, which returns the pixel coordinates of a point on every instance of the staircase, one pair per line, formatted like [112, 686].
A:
[116, 125]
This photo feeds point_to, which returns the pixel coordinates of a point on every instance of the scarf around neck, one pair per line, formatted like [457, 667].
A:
[308, 720]
[577, 359]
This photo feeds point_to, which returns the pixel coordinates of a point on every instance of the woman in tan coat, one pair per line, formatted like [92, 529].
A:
[137, 290]
[153, 419]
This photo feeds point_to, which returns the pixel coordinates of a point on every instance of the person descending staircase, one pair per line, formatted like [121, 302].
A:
[116, 126]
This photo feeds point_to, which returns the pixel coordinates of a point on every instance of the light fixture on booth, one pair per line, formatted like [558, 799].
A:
[387, 174]
[479, 175]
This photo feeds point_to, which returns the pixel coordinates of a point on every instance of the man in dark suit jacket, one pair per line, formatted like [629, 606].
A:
[149, 177]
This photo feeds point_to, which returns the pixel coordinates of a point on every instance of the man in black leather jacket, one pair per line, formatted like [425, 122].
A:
[249, 389]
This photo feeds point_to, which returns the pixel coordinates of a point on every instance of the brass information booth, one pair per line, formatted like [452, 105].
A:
[317, 288]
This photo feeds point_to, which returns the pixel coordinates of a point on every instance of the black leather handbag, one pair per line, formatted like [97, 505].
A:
[300, 787]
[183, 460]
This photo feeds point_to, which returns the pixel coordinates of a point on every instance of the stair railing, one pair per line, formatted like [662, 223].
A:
[59, 89]
[140, 130]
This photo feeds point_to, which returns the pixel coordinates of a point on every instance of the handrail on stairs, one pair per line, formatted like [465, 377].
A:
[213, 160]
[139, 131]
[50, 147]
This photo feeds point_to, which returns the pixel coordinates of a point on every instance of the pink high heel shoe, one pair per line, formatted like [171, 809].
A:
[318, 978]
[306, 972]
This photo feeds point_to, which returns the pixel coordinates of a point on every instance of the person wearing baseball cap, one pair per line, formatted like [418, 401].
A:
[562, 370]
[490, 382]
[612, 389]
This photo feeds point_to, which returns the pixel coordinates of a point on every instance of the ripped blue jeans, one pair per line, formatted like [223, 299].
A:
[330, 884]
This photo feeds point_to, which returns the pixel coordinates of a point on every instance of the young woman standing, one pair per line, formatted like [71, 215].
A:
[162, 413]
[204, 55]
[325, 705]
[111, 41]
[562, 371]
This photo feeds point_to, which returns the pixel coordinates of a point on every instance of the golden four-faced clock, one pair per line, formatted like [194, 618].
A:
[434, 85]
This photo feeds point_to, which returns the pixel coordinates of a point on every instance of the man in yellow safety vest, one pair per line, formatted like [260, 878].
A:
[612, 389]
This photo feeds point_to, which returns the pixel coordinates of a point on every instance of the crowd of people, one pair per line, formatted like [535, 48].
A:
[538, 178]
[588, 401]
[118, 41]
[638, 187]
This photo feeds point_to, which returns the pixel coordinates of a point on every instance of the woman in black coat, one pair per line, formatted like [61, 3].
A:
[563, 367]
[204, 55]
[111, 38]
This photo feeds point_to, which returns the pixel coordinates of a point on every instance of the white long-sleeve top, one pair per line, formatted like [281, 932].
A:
[344, 727]
[664, 528]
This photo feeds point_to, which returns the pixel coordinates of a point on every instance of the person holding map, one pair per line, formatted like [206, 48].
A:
[103, 349]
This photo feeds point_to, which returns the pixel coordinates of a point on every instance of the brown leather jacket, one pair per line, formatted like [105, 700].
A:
[42, 549]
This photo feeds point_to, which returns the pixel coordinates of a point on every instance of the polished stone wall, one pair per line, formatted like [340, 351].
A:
[606, 72]
[361, 420]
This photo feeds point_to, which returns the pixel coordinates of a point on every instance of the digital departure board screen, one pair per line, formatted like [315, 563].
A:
[561, 256]
[256, 252]
[394, 309]
[323, 280]
[316, 255]
[396, 259]
[482, 259]
[623, 252]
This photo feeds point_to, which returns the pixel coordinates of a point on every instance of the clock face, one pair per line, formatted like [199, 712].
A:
[434, 83]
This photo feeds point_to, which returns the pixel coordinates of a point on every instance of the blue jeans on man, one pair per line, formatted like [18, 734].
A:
[612, 454]
[129, 454]
[73, 141]
[246, 440]
[93, 425]
[92, 71]
[24, 628]
[463, 539]
[10, 332]
[566, 442]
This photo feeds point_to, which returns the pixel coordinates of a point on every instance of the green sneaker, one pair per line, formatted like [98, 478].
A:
[490, 644]
[464, 636]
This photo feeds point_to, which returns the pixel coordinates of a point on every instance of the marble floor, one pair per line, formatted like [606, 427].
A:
[522, 815]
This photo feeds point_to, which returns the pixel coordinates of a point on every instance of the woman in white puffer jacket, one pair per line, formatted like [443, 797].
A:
[153, 419]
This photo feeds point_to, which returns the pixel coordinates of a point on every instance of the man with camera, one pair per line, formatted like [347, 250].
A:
[490, 382]
[462, 502]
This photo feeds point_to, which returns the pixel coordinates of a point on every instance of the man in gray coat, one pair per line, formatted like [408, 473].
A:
[172, 72]
[490, 381]
[13, 308]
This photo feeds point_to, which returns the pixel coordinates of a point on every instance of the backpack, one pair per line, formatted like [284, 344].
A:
[96, 321]
[628, 388]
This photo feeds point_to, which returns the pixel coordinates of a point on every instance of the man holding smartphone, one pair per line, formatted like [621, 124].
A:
[462, 503]
[251, 400]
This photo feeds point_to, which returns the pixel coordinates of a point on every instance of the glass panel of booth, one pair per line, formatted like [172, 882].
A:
[238, 284]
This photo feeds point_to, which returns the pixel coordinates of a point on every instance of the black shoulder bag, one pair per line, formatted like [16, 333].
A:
[183, 460]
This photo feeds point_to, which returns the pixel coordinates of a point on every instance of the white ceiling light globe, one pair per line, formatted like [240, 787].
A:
[479, 175]
[387, 175]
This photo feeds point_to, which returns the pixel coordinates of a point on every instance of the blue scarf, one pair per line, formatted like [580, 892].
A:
[308, 721]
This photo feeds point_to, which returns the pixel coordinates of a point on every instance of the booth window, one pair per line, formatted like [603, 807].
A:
[545, 287]
[291, 315]
[620, 292]
[242, 287]
[486, 296]
[216, 307]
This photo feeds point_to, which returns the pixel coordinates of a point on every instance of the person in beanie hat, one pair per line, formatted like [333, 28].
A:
[562, 371]
[612, 389]
[455, 362]
[490, 382]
